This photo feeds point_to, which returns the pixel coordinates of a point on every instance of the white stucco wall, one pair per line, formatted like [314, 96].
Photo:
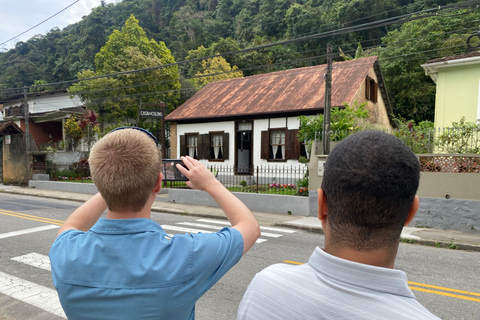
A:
[203, 128]
[229, 126]
[46, 103]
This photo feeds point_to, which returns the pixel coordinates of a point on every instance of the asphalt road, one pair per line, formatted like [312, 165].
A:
[445, 281]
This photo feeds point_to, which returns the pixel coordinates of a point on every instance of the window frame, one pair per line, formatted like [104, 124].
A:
[371, 87]
[211, 146]
[192, 134]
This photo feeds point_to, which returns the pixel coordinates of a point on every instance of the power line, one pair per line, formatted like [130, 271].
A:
[39, 23]
[374, 24]
[281, 63]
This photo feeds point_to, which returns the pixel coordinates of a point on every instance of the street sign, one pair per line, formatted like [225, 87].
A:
[152, 114]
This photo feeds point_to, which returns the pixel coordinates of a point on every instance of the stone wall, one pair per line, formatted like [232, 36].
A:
[16, 164]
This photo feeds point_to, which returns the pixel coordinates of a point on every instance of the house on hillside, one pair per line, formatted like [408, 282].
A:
[47, 114]
[458, 88]
[252, 121]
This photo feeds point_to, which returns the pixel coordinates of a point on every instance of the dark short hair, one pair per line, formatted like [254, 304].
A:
[370, 181]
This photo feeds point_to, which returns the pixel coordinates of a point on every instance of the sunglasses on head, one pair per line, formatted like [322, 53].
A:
[139, 129]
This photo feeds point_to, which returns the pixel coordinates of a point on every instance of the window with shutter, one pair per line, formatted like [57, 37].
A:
[275, 145]
[216, 146]
[371, 89]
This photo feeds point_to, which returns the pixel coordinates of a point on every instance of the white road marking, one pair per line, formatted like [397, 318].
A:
[36, 295]
[181, 229]
[35, 260]
[27, 231]
[191, 230]
[201, 225]
[226, 223]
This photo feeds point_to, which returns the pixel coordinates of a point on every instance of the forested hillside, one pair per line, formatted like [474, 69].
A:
[196, 28]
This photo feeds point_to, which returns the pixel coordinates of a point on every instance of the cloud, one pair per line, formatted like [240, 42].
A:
[19, 16]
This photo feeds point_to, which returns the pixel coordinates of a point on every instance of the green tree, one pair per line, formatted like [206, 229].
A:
[343, 121]
[413, 92]
[117, 99]
[216, 69]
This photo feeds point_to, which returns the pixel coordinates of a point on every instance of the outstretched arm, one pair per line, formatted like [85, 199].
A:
[237, 213]
[86, 215]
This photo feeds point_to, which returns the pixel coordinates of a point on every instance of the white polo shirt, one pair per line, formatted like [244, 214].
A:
[328, 287]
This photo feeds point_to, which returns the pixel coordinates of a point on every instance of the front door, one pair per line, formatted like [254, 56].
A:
[243, 147]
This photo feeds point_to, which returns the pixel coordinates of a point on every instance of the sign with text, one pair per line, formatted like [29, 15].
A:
[154, 114]
[8, 139]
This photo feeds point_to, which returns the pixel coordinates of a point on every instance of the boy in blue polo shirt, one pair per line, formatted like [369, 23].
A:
[125, 266]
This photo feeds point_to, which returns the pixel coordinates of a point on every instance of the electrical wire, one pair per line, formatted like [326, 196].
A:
[39, 23]
[374, 24]
[184, 62]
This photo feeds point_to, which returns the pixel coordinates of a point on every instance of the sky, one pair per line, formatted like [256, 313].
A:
[17, 16]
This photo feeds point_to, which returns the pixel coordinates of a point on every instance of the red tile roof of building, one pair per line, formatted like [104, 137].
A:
[295, 91]
[460, 56]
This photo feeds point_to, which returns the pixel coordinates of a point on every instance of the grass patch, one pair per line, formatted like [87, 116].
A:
[411, 241]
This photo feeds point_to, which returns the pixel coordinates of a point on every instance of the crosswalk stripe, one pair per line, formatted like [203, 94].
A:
[201, 225]
[191, 230]
[36, 295]
[181, 229]
[26, 231]
[35, 260]
[226, 223]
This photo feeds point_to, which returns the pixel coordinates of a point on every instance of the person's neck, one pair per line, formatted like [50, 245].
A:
[128, 214]
[383, 257]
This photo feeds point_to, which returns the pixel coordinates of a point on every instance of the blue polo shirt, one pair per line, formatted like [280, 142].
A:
[131, 269]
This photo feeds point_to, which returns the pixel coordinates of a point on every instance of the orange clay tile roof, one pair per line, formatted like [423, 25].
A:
[460, 56]
[295, 91]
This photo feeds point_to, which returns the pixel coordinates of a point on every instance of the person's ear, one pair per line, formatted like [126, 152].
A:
[158, 184]
[413, 210]
[322, 204]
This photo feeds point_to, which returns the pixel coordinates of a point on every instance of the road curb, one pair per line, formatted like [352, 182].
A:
[443, 244]
[299, 227]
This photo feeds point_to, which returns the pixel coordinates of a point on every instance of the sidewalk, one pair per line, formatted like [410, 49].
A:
[423, 236]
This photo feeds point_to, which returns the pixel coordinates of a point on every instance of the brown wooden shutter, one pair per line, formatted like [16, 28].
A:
[265, 145]
[183, 145]
[374, 93]
[292, 145]
[225, 146]
[203, 146]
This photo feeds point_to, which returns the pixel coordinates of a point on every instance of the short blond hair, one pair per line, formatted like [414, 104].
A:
[125, 165]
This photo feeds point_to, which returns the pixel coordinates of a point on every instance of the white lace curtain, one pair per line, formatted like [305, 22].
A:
[192, 145]
[277, 140]
[217, 144]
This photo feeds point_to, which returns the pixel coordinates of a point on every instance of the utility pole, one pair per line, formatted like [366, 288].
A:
[162, 135]
[27, 111]
[328, 102]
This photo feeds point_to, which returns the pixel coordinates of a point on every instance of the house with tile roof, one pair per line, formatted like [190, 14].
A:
[457, 80]
[252, 121]
[47, 114]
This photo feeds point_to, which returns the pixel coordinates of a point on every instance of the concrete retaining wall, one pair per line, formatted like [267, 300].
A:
[446, 214]
[66, 157]
[448, 201]
[256, 202]
[64, 186]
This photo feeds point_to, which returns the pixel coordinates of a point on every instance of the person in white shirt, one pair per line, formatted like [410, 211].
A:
[367, 196]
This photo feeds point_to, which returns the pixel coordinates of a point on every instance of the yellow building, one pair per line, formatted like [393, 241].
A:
[458, 88]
